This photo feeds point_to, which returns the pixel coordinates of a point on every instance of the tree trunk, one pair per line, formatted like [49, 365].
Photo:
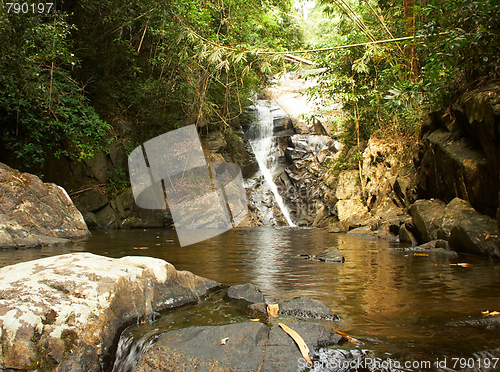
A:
[410, 48]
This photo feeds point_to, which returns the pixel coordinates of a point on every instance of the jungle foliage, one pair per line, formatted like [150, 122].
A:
[386, 88]
[67, 75]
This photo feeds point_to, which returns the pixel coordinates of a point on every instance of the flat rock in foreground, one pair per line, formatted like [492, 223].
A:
[244, 347]
[62, 313]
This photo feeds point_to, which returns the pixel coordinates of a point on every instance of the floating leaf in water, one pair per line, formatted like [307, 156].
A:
[488, 313]
[224, 341]
[345, 335]
[304, 350]
[462, 264]
[421, 254]
[272, 310]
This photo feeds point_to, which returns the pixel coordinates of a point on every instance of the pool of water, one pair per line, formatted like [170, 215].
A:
[408, 306]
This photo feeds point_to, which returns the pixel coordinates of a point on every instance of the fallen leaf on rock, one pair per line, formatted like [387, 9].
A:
[421, 254]
[255, 320]
[304, 350]
[272, 310]
[224, 340]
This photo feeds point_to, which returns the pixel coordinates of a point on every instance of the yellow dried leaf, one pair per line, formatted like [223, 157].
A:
[272, 310]
[224, 341]
[421, 254]
[345, 335]
[485, 312]
[255, 320]
[493, 313]
[304, 350]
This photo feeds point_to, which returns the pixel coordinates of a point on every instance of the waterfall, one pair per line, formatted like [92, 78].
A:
[265, 148]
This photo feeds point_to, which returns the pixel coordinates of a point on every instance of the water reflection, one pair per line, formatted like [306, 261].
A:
[406, 305]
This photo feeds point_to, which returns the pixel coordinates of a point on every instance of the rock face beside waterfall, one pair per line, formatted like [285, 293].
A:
[62, 313]
[33, 213]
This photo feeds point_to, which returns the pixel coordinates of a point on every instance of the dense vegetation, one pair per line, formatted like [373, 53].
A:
[67, 76]
[386, 88]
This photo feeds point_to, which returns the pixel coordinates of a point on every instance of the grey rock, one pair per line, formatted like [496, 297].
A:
[247, 292]
[249, 346]
[407, 236]
[307, 308]
[427, 216]
[281, 352]
[200, 349]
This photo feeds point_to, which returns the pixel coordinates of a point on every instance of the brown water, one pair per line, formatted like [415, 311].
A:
[399, 304]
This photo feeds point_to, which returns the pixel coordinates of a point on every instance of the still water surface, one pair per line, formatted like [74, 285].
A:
[399, 304]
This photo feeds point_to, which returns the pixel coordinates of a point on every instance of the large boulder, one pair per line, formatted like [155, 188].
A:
[459, 151]
[33, 210]
[66, 310]
[466, 230]
[427, 216]
[471, 231]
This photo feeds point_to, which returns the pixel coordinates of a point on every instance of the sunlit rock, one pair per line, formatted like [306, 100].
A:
[34, 213]
[69, 308]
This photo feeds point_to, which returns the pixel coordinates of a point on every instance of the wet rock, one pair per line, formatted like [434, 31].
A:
[427, 216]
[258, 310]
[247, 346]
[246, 292]
[282, 354]
[79, 301]
[489, 322]
[200, 349]
[475, 237]
[307, 308]
[32, 210]
[438, 247]
[469, 231]
[332, 255]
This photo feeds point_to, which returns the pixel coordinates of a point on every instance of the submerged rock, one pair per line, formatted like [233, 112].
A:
[67, 309]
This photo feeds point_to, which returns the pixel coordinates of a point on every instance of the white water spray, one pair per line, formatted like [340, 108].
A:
[264, 149]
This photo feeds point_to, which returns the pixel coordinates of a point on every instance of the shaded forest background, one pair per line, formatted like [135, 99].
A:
[68, 77]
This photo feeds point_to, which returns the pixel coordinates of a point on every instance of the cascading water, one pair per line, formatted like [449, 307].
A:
[265, 148]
